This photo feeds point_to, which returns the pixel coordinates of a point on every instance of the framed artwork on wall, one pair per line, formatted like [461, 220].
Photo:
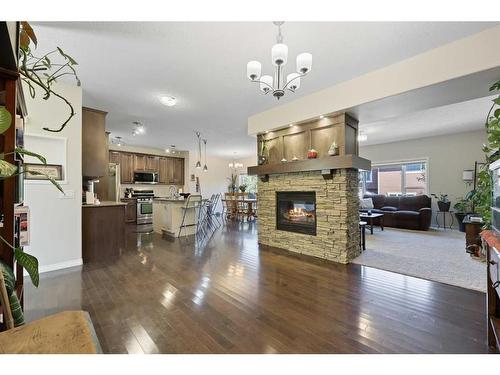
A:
[54, 171]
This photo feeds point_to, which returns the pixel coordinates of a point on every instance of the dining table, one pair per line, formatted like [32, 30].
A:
[232, 206]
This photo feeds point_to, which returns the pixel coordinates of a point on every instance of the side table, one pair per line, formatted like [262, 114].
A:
[443, 213]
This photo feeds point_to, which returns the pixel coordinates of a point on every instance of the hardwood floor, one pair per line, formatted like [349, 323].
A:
[166, 296]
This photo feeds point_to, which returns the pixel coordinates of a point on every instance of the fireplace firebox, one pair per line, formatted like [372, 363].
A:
[296, 211]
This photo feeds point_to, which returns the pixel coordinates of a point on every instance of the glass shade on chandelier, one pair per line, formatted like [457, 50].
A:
[279, 57]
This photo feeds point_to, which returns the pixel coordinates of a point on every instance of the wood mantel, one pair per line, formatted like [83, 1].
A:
[326, 163]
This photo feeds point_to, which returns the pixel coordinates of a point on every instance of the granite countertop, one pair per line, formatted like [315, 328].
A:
[105, 204]
[165, 199]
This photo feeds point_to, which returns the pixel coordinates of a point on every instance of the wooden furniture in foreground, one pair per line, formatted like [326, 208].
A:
[370, 220]
[95, 156]
[170, 169]
[11, 192]
[68, 332]
[103, 231]
[491, 244]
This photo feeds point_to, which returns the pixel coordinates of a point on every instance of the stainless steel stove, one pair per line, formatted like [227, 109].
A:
[144, 206]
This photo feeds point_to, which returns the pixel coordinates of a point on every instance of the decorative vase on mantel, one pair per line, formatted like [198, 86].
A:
[334, 149]
[312, 154]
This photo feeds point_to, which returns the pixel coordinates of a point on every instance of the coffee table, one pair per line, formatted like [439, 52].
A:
[369, 219]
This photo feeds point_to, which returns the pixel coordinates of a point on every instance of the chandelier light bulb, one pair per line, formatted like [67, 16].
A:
[254, 69]
[304, 63]
[266, 83]
[293, 81]
[279, 54]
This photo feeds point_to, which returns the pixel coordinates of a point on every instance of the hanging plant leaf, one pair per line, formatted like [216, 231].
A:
[7, 169]
[23, 151]
[5, 119]
[54, 182]
[29, 263]
[28, 30]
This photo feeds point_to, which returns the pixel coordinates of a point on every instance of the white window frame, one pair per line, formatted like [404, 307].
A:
[405, 161]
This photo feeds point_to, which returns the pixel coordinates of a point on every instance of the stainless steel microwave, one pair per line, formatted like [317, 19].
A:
[146, 177]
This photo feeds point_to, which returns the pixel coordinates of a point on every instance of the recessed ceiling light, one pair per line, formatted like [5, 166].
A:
[169, 101]
[290, 125]
[320, 117]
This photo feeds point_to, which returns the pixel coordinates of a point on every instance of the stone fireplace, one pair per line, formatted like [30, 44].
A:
[336, 232]
[310, 206]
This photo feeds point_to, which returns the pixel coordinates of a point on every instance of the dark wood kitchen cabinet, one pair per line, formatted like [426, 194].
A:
[130, 210]
[178, 175]
[114, 157]
[152, 163]
[163, 170]
[170, 170]
[127, 168]
[139, 162]
[94, 143]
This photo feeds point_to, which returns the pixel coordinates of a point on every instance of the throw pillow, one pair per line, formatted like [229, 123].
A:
[366, 204]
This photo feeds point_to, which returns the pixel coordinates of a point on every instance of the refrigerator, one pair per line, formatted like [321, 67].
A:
[114, 185]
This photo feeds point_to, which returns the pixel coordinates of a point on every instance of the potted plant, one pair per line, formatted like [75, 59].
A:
[443, 202]
[243, 188]
[462, 207]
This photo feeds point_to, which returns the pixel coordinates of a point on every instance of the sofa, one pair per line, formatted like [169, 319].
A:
[407, 212]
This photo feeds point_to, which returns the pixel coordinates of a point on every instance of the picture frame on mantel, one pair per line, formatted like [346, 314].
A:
[52, 170]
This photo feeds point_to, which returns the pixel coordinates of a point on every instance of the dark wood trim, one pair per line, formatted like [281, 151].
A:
[332, 162]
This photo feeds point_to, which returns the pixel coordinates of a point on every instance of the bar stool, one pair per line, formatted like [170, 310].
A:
[193, 202]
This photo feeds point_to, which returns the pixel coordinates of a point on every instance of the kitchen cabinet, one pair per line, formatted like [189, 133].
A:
[139, 162]
[130, 210]
[178, 175]
[94, 145]
[170, 170]
[127, 168]
[163, 170]
[114, 157]
[152, 163]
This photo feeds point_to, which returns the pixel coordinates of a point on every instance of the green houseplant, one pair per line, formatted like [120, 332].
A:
[482, 195]
[463, 207]
[443, 202]
[39, 73]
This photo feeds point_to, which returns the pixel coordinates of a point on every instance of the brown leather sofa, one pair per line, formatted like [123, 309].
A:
[403, 212]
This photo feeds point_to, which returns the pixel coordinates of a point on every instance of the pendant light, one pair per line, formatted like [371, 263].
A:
[205, 168]
[198, 163]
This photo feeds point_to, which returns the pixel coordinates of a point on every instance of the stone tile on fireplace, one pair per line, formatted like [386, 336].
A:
[337, 221]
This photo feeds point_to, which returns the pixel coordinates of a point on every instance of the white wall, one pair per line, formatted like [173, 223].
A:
[448, 156]
[56, 228]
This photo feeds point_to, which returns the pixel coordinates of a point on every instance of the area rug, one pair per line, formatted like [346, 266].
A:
[433, 255]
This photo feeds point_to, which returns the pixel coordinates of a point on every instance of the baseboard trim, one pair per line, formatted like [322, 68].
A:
[58, 266]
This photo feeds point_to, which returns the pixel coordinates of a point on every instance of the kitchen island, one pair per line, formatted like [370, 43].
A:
[167, 217]
[103, 231]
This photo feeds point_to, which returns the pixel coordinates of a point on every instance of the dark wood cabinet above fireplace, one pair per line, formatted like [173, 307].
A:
[287, 150]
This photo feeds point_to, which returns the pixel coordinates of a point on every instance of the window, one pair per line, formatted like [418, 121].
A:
[249, 181]
[396, 179]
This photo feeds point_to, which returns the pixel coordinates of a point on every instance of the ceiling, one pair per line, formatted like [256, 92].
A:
[125, 66]
[453, 118]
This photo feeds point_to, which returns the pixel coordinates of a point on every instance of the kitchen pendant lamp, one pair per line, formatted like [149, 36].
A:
[205, 168]
[198, 163]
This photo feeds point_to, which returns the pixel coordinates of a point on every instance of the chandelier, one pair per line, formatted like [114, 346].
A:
[279, 85]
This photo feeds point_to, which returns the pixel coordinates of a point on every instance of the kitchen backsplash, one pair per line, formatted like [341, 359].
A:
[159, 190]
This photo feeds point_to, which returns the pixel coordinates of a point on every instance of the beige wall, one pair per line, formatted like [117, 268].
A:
[448, 156]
